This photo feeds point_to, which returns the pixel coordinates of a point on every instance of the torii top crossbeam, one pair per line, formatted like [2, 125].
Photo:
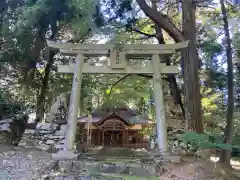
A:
[118, 54]
[129, 49]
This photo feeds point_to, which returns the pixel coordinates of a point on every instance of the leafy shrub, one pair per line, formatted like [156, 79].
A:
[208, 141]
[9, 106]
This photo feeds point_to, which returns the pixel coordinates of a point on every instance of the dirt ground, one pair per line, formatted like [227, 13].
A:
[198, 170]
[30, 164]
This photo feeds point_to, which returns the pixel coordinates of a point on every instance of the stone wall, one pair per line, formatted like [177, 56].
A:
[5, 131]
[47, 137]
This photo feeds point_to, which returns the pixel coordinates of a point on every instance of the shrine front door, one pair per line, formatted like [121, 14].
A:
[113, 138]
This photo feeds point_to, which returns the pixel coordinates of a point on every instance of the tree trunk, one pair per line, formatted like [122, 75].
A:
[36, 51]
[51, 53]
[175, 92]
[191, 66]
[191, 80]
[44, 87]
[228, 132]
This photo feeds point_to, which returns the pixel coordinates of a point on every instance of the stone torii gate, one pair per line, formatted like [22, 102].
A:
[118, 65]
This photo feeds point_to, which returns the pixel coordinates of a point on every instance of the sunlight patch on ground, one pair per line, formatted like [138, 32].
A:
[234, 163]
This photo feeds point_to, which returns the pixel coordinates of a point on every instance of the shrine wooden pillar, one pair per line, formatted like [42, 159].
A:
[99, 137]
[103, 137]
[123, 138]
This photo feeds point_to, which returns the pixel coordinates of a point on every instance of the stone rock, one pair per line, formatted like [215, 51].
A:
[44, 138]
[203, 153]
[41, 142]
[6, 121]
[54, 137]
[179, 147]
[46, 126]
[79, 166]
[43, 147]
[44, 132]
[62, 131]
[30, 132]
[50, 142]
[166, 158]
[61, 142]
[65, 155]
[28, 142]
[65, 166]
[5, 127]
[5, 137]
[173, 159]
[59, 146]
[52, 149]
[179, 151]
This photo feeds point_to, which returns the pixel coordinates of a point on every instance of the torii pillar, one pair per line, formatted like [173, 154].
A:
[68, 151]
[159, 105]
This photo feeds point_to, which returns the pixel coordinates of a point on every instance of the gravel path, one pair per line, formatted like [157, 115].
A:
[19, 163]
[22, 164]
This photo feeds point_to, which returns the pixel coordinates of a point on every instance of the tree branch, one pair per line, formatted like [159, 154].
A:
[140, 32]
[168, 5]
[81, 38]
[118, 81]
[161, 20]
[128, 75]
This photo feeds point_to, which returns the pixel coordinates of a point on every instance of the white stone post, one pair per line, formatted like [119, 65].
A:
[68, 152]
[159, 105]
[74, 103]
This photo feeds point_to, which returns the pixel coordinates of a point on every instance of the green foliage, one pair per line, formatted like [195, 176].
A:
[41, 14]
[9, 106]
[130, 91]
[205, 141]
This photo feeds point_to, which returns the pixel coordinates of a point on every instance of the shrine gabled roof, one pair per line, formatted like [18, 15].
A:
[126, 114]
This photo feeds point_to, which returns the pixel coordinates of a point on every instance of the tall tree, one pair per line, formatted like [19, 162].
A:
[228, 133]
[190, 57]
[49, 20]
[191, 67]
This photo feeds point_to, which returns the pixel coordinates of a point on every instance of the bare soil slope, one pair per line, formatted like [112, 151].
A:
[198, 170]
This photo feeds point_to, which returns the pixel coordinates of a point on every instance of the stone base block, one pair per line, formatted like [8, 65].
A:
[65, 166]
[166, 157]
[65, 155]
[160, 154]
[171, 159]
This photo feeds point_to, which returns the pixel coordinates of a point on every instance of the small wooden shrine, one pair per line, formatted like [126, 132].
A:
[118, 127]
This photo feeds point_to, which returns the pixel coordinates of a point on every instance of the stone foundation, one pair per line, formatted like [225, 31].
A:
[48, 137]
[105, 167]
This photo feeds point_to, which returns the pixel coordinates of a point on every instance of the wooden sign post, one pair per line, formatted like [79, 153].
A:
[118, 65]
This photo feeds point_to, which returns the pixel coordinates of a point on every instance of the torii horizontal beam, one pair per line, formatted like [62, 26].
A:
[127, 70]
[128, 49]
